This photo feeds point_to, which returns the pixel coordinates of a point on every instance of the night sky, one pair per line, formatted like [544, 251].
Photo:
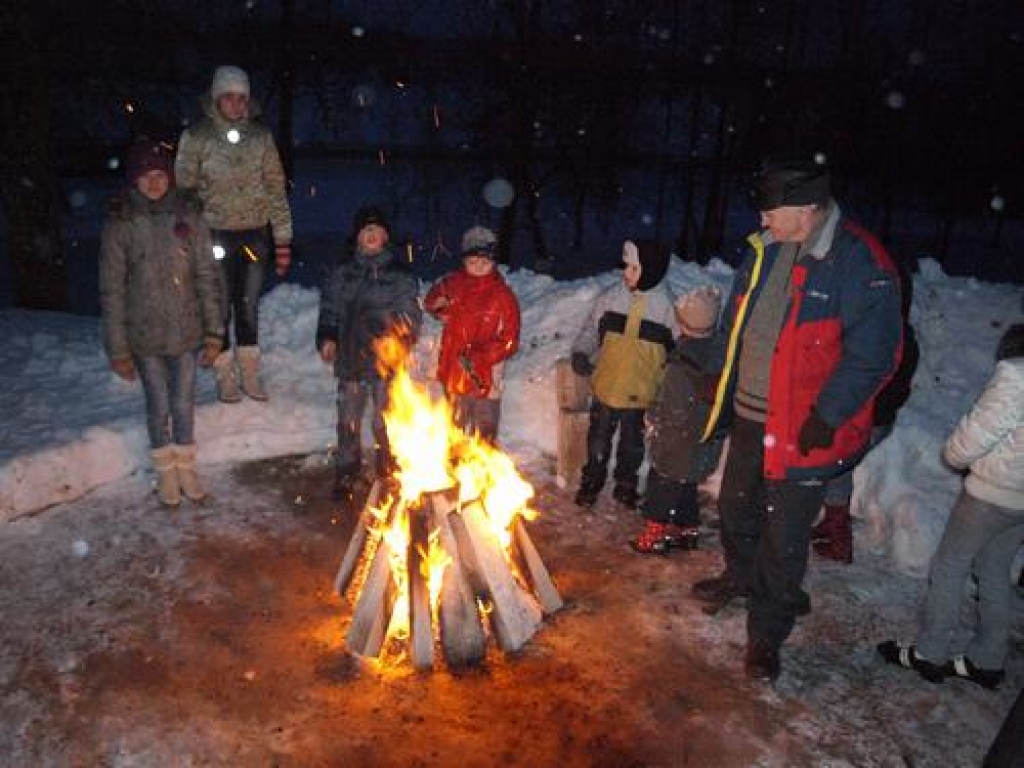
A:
[609, 119]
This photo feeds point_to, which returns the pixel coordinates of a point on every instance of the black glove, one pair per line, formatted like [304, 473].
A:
[581, 364]
[815, 433]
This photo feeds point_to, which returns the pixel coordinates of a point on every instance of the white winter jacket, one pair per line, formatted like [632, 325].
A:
[990, 439]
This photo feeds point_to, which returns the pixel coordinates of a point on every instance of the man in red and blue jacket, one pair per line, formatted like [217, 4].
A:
[813, 332]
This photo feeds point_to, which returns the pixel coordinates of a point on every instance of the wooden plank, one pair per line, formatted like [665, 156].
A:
[535, 570]
[515, 614]
[573, 390]
[463, 640]
[358, 541]
[369, 620]
[572, 446]
[421, 631]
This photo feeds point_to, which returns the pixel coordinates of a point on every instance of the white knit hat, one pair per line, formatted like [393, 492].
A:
[229, 79]
[698, 310]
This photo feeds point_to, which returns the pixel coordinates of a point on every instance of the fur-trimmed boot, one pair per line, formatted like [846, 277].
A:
[168, 489]
[185, 460]
[249, 367]
[836, 534]
[227, 384]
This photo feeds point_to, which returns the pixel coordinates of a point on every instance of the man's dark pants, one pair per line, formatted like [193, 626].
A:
[766, 534]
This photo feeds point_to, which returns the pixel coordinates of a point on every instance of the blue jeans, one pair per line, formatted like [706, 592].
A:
[169, 388]
[982, 539]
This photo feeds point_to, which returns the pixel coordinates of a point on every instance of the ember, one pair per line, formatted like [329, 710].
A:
[442, 543]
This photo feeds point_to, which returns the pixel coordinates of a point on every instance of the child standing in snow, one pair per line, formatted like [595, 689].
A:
[982, 536]
[370, 295]
[623, 347]
[160, 300]
[681, 451]
[481, 330]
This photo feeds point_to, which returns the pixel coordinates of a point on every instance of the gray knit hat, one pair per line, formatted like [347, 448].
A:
[479, 241]
[229, 79]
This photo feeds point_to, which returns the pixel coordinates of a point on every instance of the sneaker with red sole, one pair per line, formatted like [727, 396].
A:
[660, 538]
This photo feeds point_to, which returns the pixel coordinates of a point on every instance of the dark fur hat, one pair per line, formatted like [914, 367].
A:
[369, 214]
[1012, 343]
[790, 180]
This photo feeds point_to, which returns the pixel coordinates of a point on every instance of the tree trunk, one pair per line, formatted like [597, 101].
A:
[29, 191]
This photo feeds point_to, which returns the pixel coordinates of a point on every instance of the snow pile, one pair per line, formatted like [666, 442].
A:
[69, 425]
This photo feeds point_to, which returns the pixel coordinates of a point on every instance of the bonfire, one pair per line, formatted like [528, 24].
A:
[440, 554]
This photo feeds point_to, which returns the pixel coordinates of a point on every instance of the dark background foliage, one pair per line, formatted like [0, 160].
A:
[607, 116]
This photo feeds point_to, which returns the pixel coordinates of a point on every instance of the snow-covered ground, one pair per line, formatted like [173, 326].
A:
[69, 425]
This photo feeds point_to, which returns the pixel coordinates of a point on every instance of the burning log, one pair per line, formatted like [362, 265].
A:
[429, 559]
[421, 636]
[463, 640]
[514, 613]
[535, 570]
[370, 619]
[357, 542]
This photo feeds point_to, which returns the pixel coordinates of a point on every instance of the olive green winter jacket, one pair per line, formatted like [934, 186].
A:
[159, 287]
[236, 170]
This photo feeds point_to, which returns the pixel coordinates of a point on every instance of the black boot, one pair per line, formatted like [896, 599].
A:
[586, 496]
[626, 495]
[762, 661]
[717, 592]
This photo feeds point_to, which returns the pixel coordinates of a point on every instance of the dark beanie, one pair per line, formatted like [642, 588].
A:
[790, 181]
[653, 263]
[148, 155]
[1011, 345]
[367, 215]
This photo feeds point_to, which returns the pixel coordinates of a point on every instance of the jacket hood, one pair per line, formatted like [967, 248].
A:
[653, 263]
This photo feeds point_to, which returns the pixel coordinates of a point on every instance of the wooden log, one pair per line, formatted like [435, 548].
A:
[572, 446]
[358, 541]
[534, 569]
[573, 389]
[515, 614]
[370, 618]
[421, 632]
[463, 640]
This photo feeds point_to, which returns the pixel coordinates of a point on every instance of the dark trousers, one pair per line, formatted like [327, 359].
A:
[670, 501]
[242, 272]
[766, 534]
[352, 398]
[477, 414]
[604, 421]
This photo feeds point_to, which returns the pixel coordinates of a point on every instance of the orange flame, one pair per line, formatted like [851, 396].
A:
[432, 454]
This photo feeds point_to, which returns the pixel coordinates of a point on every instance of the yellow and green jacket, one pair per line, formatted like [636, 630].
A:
[628, 336]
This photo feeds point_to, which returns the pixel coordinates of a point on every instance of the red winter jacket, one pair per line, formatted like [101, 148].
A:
[840, 342]
[481, 326]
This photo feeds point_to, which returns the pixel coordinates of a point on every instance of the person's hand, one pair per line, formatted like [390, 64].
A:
[328, 351]
[581, 364]
[125, 368]
[440, 303]
[815, 433]
[211, 350]
[282, 259]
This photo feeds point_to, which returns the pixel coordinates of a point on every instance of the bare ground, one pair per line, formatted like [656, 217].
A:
[210, 636]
